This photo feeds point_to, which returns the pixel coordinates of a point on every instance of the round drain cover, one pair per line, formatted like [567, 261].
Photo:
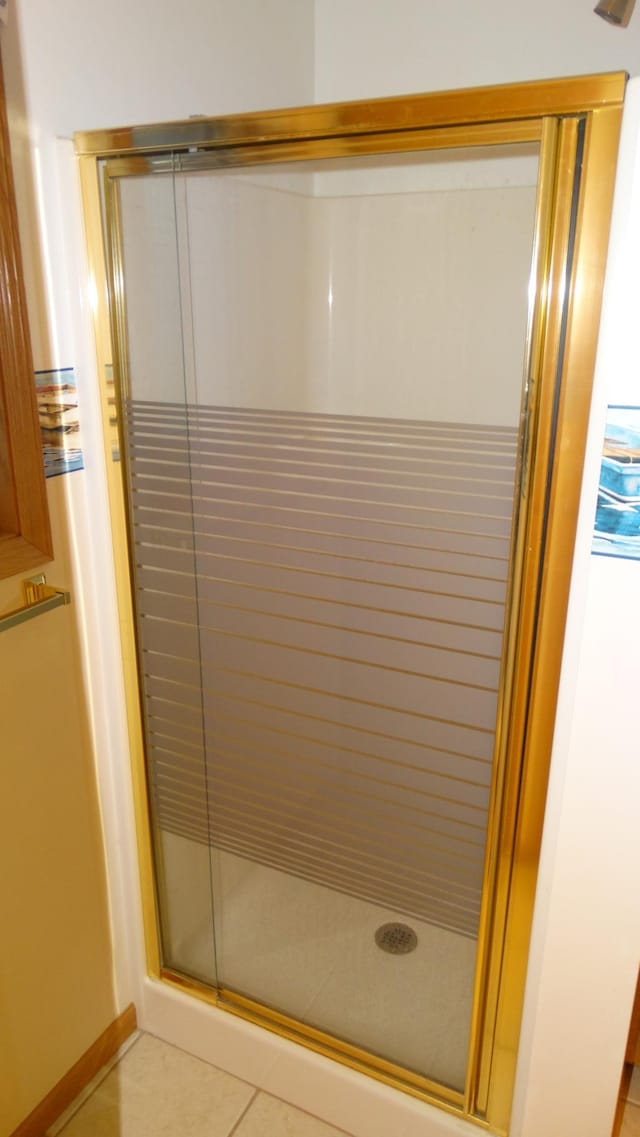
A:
[398, 939]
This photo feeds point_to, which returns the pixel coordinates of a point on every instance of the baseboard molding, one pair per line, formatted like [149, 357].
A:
[633, 1041]
[74, 1081]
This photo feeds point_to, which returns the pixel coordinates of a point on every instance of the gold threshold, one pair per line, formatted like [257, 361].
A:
[354, 1057]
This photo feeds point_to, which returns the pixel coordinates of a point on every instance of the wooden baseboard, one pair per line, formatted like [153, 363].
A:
[633, 1044]
[79, 1076]
[632, 1058]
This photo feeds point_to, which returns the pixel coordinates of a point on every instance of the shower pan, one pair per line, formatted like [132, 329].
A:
[346, 356]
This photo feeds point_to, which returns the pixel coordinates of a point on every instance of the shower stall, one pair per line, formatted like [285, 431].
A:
[346, 374]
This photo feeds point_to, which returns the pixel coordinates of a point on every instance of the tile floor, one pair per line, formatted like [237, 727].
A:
[156, 1090]
[631, 1122]
[152, 1089]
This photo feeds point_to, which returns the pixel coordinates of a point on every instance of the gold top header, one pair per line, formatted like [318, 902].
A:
[477, 105]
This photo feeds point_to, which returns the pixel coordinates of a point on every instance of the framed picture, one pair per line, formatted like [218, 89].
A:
[617, 523]
[57, 397]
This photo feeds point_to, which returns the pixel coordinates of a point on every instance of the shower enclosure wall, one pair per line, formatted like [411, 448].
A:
[341, 352]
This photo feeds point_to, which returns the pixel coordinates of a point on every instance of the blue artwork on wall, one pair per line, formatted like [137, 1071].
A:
[617, 523]
[57, 396]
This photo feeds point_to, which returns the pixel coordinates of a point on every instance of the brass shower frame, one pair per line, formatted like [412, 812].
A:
[576, 123]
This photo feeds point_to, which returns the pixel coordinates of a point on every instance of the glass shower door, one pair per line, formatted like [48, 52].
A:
[155, 399]
[323, 400]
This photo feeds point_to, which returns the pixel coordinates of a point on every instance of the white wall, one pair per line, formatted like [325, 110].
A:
[78, 66]
[366, 49]
[90, 65]
[586, 942]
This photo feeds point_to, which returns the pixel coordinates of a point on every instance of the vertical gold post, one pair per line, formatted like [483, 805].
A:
[575, 360]
[508, 732]
[89, 177]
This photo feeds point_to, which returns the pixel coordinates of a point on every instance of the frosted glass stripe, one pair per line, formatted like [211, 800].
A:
[333, 717]
[320, 606]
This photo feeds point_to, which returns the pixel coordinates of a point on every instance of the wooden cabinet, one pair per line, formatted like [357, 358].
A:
[25, 535]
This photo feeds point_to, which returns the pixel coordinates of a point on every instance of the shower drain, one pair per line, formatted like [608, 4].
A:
[397, 939]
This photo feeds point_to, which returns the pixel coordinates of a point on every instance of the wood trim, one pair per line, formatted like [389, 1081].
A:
[633, 1044]
[25, 534]
[631, 1059]
[622, 1100]
[79, 1076]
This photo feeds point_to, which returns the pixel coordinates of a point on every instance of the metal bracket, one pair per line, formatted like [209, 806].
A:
[39, 597]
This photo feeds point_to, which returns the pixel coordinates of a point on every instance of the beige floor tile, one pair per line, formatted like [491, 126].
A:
[634, 1086]
[631, 1122]
[269, 1117]
[159, 1091]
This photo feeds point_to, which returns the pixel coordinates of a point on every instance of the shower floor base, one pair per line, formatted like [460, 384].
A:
[310, 953]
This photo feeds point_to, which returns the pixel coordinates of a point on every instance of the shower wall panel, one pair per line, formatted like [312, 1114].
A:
[245, 254]
[404, 325]
[360, 304]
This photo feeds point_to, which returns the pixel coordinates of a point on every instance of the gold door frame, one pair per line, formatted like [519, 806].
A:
[577, 123]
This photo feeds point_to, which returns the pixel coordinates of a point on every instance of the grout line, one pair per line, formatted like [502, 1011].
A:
[244, 1113]
[314, 1116]
[190, 1054]
[297, 1108]
[630, 1118]
[633, 1091]
[91, 1087]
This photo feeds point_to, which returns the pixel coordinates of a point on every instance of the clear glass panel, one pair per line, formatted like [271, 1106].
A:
[161, 523]
[326, 385]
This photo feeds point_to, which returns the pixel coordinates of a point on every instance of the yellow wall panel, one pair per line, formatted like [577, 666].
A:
[56, 988]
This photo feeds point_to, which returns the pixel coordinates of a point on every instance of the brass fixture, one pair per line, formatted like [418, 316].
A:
[617, 12]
